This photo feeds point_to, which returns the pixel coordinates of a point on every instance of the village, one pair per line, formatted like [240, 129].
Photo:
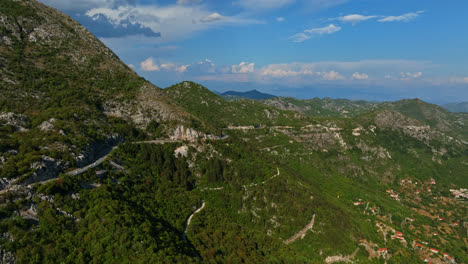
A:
[428, 253]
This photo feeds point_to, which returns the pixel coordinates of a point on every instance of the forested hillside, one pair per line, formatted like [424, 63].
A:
[97, 165]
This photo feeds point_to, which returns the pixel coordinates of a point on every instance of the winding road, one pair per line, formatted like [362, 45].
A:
[184, 236]
[301, 234]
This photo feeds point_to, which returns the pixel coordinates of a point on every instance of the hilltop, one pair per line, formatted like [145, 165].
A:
[97, 165]
[253, 94]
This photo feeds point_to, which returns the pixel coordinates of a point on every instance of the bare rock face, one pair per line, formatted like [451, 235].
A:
[94, 150]
[181, 151]
[47, 125]
[183, 133]
[7, 257]
[47, 168]
[15, 120]
[29, 212]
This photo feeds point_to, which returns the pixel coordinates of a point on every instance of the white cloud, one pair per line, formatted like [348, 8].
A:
[409, 75]
[174, 22]
[212, 18]
[149, 65]
[299, 37]
[308, 33]
[330, 29]
[264, 4]
[280, 19]
[173, 67]
[331, 76]
[354, 18]
[131, 66]
[286, 70]
[243, 67]
[403, 18]
[187, 2]
[360, 76]
[78, 6]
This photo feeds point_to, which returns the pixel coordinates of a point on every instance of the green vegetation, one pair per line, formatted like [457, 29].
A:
[280, 163]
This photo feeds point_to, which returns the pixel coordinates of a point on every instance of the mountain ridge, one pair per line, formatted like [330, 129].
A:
[252, 94]
[99, 166]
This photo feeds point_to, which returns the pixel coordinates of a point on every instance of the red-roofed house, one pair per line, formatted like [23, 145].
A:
[418, 245]
[447, 256]
[382, 251]
[433, 250]
[399, 233]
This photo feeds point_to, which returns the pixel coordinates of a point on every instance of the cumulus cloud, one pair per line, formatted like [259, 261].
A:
[280, 19]
[213, 17]
[173, 67]
[243, 67]
[149, 65]
[308, 33]
[174, 22]
[402, 18]
[360, 76]
[354, 18]
[202, 67]
[286, 70]
[299, 70]
[331, 76]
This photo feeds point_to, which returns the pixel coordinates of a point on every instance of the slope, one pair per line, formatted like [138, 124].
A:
[214, 110]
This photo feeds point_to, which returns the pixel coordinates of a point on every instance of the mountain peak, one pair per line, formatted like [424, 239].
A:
[252, 94]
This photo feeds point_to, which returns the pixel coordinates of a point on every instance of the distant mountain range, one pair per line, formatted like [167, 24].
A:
[254, 94]
[457, 107]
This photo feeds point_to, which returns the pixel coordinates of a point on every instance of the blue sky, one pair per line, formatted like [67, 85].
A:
[357, 49]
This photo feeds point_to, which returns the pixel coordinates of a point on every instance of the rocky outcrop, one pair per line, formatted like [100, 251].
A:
[45, 169]
[95, 150]
[7, 257]
[185, 133]
[15, 120]
[181, 151]
[47, 125]
[29, 212]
